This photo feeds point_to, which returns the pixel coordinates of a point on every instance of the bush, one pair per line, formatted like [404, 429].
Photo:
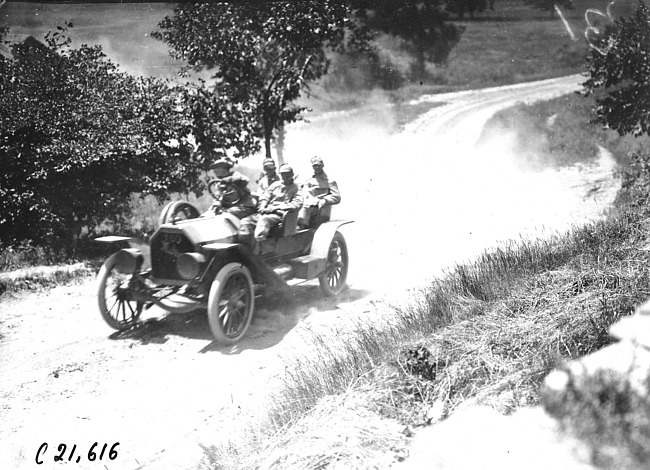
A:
[78, 137]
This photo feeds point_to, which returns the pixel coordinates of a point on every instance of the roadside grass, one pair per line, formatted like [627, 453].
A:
[487, 333]
[41, 277]
[26, 254]
[555, 132]
[559, 133]
[30, 267]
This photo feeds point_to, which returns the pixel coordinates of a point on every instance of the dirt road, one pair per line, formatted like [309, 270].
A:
[421, 200]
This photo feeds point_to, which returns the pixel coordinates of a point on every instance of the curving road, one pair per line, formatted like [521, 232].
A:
[422, 198]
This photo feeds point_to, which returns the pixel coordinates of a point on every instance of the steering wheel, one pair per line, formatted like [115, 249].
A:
[227, 193]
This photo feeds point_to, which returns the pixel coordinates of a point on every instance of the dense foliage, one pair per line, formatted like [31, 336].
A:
[421, 24]
[460, 7]
[262, 54]
[77, 137]
[620, 64]
[219, 123]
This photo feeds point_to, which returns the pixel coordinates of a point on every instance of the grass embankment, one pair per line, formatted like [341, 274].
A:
[558, 133]
[488, 332]
[28, 267]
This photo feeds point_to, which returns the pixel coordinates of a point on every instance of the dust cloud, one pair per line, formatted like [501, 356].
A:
[424, 198]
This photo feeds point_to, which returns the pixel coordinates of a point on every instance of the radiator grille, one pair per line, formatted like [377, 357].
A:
[165, 250]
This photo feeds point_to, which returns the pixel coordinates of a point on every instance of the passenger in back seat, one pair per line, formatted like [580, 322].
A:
[268, 177]
[318, 192]
[281, 197]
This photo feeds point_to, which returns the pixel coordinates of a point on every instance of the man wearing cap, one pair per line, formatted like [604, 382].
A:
[281, 197]
[268, 177]
[319, 194]
[243, 204]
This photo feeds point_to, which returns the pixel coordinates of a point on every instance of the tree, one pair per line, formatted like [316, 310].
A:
[78, 137]
[550, 5]
[620, 65]
[420, 23]
[460, 7]
[217, 123]
[263, 54]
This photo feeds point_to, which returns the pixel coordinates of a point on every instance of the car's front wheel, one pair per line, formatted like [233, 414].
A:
[114, 297]
[231, 303]
[332, 281]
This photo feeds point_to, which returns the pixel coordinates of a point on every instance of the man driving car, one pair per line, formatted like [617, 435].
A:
[233, 195]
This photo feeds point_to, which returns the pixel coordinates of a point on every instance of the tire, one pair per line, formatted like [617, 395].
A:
[231, 303]
[177, 210]
[332, 282]
[116, 308]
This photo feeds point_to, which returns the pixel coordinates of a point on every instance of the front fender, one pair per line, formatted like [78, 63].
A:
[236, 252]
[133, 242]
[323, 237]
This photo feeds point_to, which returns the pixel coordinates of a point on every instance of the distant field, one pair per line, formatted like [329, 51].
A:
[515, 43]
[512, 44]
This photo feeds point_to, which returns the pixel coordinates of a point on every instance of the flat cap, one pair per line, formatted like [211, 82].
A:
[284, 168]
[221, 162]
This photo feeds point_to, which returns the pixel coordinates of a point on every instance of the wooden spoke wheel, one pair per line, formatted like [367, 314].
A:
[332, 282]
[116, 305]
[231, 303]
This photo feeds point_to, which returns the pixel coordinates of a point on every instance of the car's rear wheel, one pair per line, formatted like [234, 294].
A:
[231, 303]
[176, 211]
[114, 296]
[332, 282]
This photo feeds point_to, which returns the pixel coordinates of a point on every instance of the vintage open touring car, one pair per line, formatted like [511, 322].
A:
[195, 261]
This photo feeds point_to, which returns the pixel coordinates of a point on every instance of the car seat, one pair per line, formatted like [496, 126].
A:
[320, 216]
[287, 227]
